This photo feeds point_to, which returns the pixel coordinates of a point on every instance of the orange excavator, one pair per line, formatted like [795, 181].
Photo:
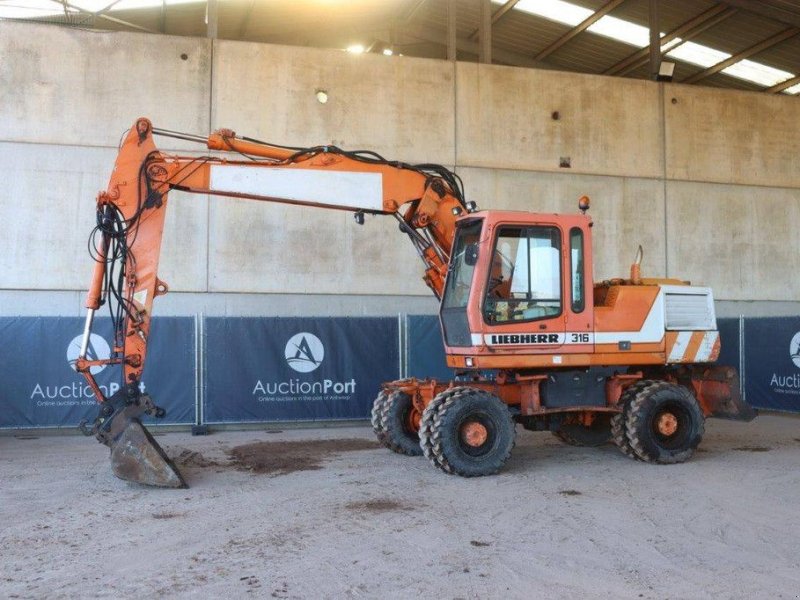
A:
[532, 340]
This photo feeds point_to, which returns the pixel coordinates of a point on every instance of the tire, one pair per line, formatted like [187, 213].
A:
[429, 415]
[375, 417]
[396, 424]
[618, 420]
[472, 433]
[597, 434]
[664, 423]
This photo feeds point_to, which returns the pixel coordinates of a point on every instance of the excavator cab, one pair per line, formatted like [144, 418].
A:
[518, 280]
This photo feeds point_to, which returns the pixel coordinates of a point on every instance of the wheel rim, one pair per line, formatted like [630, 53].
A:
[476, 434]
[671, 425]
[667, 424]
[412, 420]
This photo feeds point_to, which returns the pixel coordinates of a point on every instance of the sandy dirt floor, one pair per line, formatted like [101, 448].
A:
[340, 518]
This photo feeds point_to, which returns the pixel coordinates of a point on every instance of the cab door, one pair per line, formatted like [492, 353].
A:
[524, 304]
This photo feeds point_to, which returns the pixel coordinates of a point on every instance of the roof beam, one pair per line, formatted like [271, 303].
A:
[761, 46]
[452, 49]
[498, 14]
[783, 85]
[101, 15]
[685, 32]
[579, 28]
[765, 8]
[407, 16]
[246, 20]
[212, 19]
[485, 35]
[654, 49]
[436, 36]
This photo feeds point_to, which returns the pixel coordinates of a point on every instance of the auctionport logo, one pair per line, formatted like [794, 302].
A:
[97, 350]
[794, 349]
[304, 352]
[75, 393]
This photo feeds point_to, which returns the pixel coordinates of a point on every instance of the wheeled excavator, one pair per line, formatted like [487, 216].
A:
[532, 340]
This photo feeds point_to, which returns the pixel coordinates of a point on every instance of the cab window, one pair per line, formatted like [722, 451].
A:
[462, 266]
[576, 269]
[525, 275]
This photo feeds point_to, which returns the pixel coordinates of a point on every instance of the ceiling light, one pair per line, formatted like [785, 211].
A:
[322, 96]
[665, 71]
[387, 52]
[355, 49]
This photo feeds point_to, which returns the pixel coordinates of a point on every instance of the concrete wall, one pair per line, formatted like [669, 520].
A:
[707, 180]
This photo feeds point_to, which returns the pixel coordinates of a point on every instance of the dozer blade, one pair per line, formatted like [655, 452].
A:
[137, 457]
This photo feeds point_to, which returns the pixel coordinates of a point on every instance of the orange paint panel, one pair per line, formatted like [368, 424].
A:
[625, 309]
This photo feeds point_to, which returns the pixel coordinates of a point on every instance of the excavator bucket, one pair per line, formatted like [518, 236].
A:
[137, 457]
[135, 454]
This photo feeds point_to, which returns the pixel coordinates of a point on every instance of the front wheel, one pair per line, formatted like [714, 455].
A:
[664, 423]
[473, 433]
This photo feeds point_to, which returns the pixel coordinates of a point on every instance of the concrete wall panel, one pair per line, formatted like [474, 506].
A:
[184, 250]
[626, 212]
[47, 211]
[398, 106]
[67, 86]
[606, 125]
[273, 248]
[742, 241]
[727, 136]
[46, 214]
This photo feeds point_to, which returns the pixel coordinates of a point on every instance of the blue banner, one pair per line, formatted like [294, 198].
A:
[426, 357]
[729, 343]
[40, 388]
[772, 363]
[296, 369]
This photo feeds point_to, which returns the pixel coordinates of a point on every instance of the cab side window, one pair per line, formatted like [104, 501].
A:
[576, 270]
[525, 275]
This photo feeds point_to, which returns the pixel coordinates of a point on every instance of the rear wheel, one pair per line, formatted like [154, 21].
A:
[472, 433]
[664, 423]
[596, 434]
[400, 423]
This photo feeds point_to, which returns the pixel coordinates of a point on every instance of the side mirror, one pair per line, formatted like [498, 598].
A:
[471, 255]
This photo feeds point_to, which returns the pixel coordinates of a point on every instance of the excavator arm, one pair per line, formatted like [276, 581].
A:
[126, 244]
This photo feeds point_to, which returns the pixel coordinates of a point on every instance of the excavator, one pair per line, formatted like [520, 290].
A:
[531, 338]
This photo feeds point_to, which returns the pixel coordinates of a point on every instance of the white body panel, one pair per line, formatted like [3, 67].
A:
[344, 189]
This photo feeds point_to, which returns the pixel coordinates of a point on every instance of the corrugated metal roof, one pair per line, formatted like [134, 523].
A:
[418, 28]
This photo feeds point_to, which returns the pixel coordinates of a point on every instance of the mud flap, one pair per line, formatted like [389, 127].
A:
[135, 454]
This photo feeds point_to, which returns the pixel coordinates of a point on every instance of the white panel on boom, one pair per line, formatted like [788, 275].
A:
[345, 189]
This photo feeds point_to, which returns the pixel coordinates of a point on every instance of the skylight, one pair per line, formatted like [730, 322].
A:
[638, 36]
